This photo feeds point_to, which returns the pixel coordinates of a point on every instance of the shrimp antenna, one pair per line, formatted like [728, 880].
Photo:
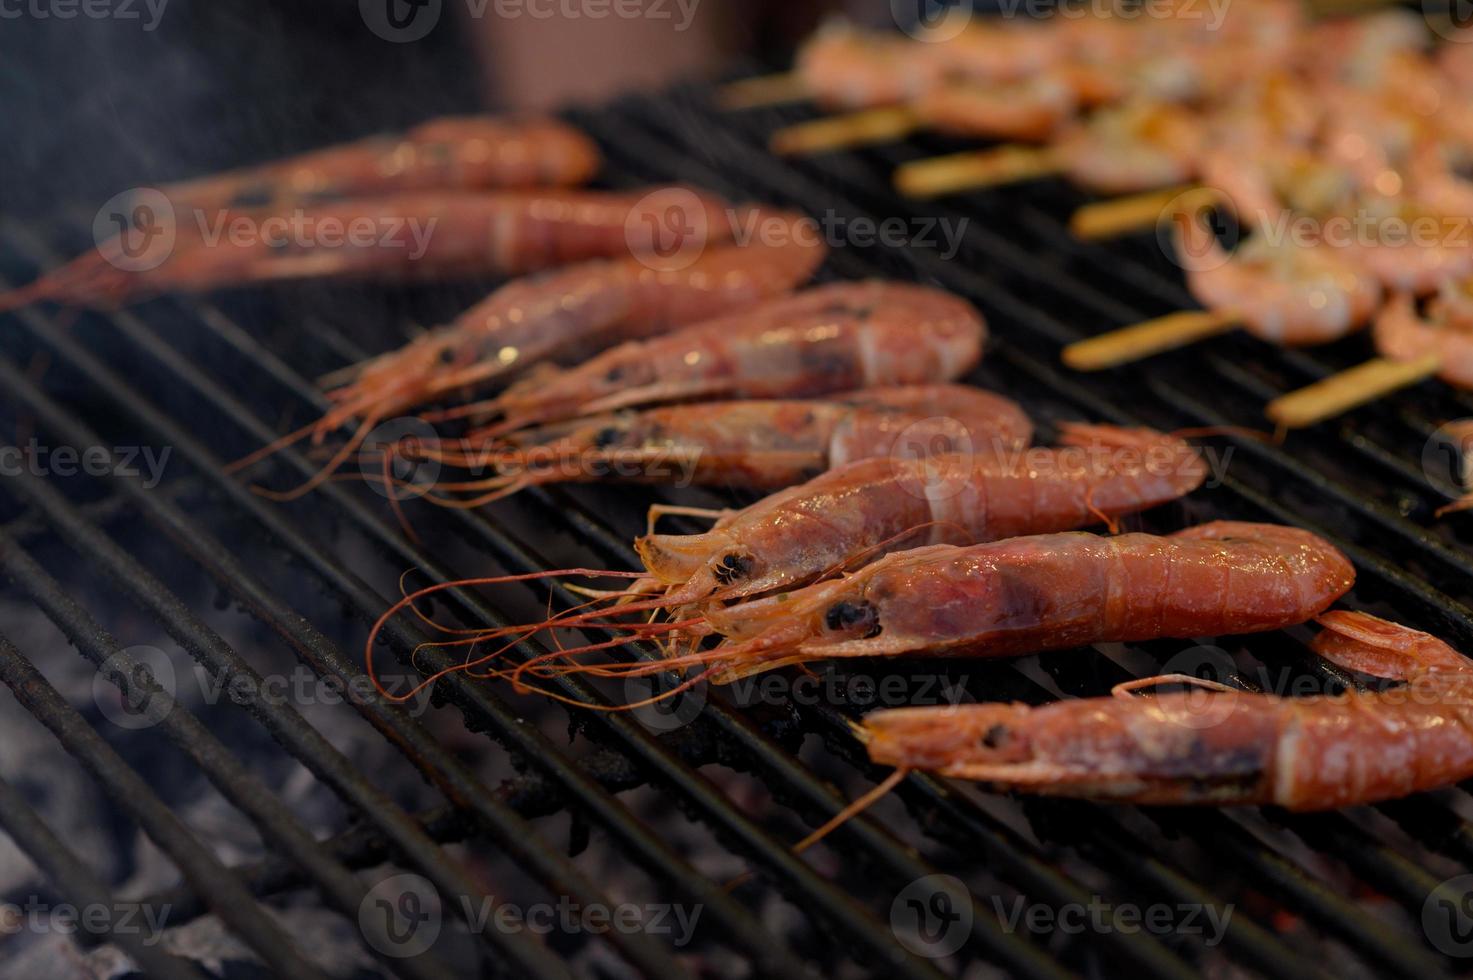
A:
[863, 556]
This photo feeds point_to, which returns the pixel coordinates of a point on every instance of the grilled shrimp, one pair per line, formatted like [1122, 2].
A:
[1135, 147]
[753, 444]
[1283, 292]
[861, 511]
[1220, 746]
[398, 237]
[845, 67]
[564, 315]
[450, 153]
[1026, 111]
[1447, 331]
[1413, 249]
[1045, 592]
[838, 337]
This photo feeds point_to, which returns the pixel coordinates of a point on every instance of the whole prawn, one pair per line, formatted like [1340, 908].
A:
[856, 514]
[1282, 291]
[861, 511]
[564, 315]
[397, 237]
[751, 444]
[1221, 746]
[449, 153]
[838, 337]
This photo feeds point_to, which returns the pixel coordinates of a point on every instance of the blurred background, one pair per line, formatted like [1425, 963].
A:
[143, 91]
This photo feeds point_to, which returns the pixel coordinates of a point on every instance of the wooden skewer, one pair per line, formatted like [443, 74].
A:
[1123, 215]
[1150, 337]
[764, 90]
[975, 169]
[1349, 389]
[841, 132]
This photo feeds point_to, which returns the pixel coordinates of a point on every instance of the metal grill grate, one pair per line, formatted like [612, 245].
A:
[1336, 894]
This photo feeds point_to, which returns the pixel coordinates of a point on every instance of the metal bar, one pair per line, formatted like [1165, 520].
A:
[82, 888]
[227, 897]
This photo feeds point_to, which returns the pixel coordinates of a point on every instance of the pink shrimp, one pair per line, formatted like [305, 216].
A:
[848, 68]
[1411, 248]
[1220, 746]
[1447, 331]
[1029, 110]
[1134, 147]
[450, 153]
[838, 337]
[1044, 592]
[863, 510]
[398, 237]
[753, 444]
[1282, 291]
[565, 315]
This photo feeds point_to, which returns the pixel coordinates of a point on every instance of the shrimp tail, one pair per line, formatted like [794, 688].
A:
[1370, 645]
[87, 280]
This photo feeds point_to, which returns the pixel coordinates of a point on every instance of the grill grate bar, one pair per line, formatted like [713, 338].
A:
[229, 899]
[81, 887]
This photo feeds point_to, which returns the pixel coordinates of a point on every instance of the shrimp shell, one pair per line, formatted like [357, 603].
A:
[573, 314]
[463, 234]
[837, 337]
[865, 509]
[1402, 335]
[759, 444]
[1045, 592]
[449, 153]
[1221, 746]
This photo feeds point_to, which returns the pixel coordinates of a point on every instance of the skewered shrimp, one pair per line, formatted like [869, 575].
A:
[400, 237]
[1413, 249]
[838, 337]
[873, 506]
[1026, 111]
[450, 153]
[1134, 147]
[1284, 292]
[565, 315]
[845, 67]
[753, 444]
[1447, 331]
[1220, 746]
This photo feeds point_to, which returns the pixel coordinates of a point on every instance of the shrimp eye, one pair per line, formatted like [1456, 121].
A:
[606, 437]
[733, 566]
[995, 737]
[853, 616]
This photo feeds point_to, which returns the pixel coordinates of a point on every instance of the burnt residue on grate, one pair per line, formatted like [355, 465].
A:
[491, 797]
